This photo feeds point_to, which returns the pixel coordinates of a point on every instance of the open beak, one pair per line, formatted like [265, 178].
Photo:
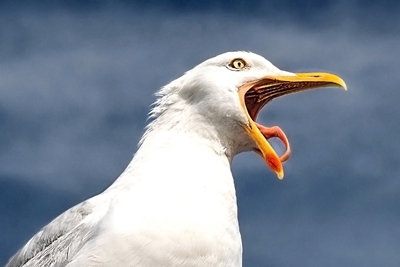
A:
[255, 94]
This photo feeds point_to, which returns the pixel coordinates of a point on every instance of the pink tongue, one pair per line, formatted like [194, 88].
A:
[275, 131]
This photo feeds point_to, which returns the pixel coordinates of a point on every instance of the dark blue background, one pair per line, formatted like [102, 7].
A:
[77, 78]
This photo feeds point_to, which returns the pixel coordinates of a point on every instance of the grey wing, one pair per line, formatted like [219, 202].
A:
[58, 242]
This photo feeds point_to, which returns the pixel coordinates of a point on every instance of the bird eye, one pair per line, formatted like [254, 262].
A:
[238, 64]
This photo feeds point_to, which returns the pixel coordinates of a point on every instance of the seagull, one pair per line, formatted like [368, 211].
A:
[175, 203]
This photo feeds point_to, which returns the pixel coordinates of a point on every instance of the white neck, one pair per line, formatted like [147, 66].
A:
[182, 181]
[186, 157]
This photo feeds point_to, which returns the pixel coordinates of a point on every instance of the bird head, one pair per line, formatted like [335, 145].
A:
[231, 89]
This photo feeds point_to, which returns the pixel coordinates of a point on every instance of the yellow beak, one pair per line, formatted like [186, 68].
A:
[255, 94]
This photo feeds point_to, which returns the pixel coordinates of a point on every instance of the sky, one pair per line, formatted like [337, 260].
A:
[77, 79]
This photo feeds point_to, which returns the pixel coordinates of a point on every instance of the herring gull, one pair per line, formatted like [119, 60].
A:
[175, 203]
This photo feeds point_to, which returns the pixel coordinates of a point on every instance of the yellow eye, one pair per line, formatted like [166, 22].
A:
[238, 64]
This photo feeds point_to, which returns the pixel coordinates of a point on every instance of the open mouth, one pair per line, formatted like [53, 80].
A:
[256, 94]
[255, 99]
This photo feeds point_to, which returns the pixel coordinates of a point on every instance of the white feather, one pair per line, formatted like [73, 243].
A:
[175, 204]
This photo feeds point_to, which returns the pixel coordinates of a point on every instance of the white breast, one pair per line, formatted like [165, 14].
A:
[178, 208]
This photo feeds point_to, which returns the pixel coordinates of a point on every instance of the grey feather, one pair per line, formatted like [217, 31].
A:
[58, 242]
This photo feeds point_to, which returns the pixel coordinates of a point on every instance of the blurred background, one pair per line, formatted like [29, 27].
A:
[77, 79]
